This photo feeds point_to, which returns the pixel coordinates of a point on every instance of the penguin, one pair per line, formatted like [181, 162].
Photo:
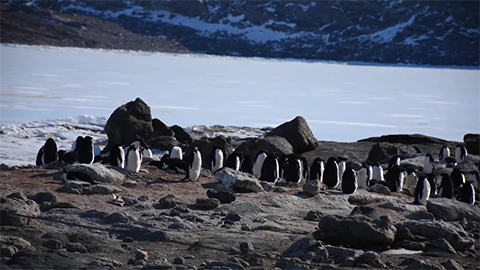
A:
[216, 159]
[76, 143]
[172, 165]
[133, 159]
[144, 149]
[246, 166]
[48, 153]
[305, 169]
[458, 179]
[331, 174]
[428, 164]
[257, 166]
[377, 172]
[270, 170]
[411, 179]
[362, 178]
[451, 162]
[117, 156]
[176, 152]
[433, 184]
[292, 169]
[77, 176]
[369, 170]
[467, 193]
[234, 161]
[475, 179]
[395, 178]
[444, 153]
[69, 157]
[460, 153]
[446, 186]
[422, 191]
[349, 181]
[194, 165]
[342, 165]
[317, 169]
[85, 150]
[395, 160]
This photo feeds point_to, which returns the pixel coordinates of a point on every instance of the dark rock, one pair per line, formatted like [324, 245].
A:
[160, 129]
[114, 218]
[273, 144]
[17, 210]
[472, 143]
[246, 248]
[406, 139]
[312, 187]
[307, 248]
[18, 195]
[223, 265]
[77, 187]
[222, 196]
[382, 151]
[365, 210]
[291, 264]
[210, 203]
[233, 217]
[128, 123]
[105, 263]
[403, 233]
[452, 210]
[419, 215]
[182, 135]
[314, 215]
[298, 134]
[170, 201]
[371, 258]
[340, 254]
[146, 234]
[143, 198]
[439, 244]
[348, 262]
[104, 189]
[45, 196]
[179, 260]
[52, 244]
[451, 264]
[7, 251]
[76, 247]
[380, 189]
[164, 143]
[421, 264]
[410, 245]
[356, 230]
[158, 264]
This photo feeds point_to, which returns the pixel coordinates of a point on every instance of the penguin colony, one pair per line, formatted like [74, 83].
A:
[292, 168]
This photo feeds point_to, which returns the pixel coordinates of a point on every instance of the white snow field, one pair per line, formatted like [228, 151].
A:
[66, 92]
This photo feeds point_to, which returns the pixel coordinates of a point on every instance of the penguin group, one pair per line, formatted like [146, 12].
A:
[176, 161]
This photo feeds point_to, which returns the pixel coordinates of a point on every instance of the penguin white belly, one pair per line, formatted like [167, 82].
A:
[196, 167]
[425, 193]
[362, 178]
[133, 161]
[257, 167]
[401, 180]
[147, 153]
[176, 152]
[218, 162]
[411, 180]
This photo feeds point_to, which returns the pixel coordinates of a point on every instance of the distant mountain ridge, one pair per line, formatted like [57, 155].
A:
[445, 33]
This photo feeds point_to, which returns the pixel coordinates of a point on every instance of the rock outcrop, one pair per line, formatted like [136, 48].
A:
[298, 134]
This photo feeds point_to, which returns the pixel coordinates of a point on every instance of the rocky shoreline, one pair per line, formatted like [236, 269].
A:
[155, 220]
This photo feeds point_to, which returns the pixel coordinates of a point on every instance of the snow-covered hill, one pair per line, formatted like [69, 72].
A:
[407, 32]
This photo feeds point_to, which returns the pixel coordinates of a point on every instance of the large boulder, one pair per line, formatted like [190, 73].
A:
[434, 229]
[356, 231]
[164, 143]
[298, 134]
[128, 123]
[406, 139]
[238, 181]
[307, 248]
[382, 151]
[98, 172]
[160, 129]
[274, 144]
[452, 210]
[182, 135]
[472, 143]
[16, 210]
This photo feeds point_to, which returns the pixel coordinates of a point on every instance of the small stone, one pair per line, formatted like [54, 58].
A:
[170, 201]
[267, 186]
[117, 218]
[140, 262]
[312, 187]
[7, 251]
[440, 244]
[158, 264]
[233, 217]
[419, 215]
[18, 195]
[128, 239]
[421, 264]
[245, 227]
[381, 189]
[281, 189]
[314, 215]
[143, 198]
[141, 255]
[451, 264]
[44, 197]
[104, 189]
[52, 244]
[209, 203]
[179, 260]
[76, 247]
[222, 196]
[246, 248]
[130, 184]
[348, 262]
[367, 257]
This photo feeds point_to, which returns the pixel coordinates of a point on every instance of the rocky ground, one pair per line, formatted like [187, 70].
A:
[167, 223]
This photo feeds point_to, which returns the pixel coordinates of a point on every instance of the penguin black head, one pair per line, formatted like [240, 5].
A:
[430, 157]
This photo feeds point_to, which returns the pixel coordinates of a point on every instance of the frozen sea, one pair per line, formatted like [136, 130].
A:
[66, 92]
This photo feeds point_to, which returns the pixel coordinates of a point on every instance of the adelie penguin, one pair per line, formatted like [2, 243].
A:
[460, 153]
[433, 184]
[446, 186]
[317, 169]
[422, 191]
[76, 143]
[475, 179]
[377, 172]
[331, 174]
[451, 162]
[85, 150]
[411, 181]
[48, 153]
[395, 178]
[176, 152]
[305, 169]
[133, 159]
[349, 181]
[194, 165]
[342, 165]
[292, 169]
[444, 153]
[270, 170]
[70, 157]
[395, 160]
[234, 161]
[428, 164]
[257, 166]
[458, 179]
[467, 193]
[362, 178]
[246, 166]
[216, 159]
[117, 156]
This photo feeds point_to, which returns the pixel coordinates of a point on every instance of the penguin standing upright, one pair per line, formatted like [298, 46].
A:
[216, 159]
[446, 186]
[411, 179]
[76, 143]
[342, 165]
[48, 153]
[145, 149]
[458, 179]
[349, 181]
[460, 153]
[475, 179]
[194, 164]
[117, 156]
[85, 150]
[395, 178]
[395, 160]
[317, 169]
[444, 153]
[451, 162]
[331, 174]
[433, 184]
[292, 169]
[467, 193]
[305, 169]
[257, 166]
[246, 165]
[270, 170]
[422, 191]
[176, 152]
[377, 172]
[234, 161]
[132, 159]
[362, 178]
[428, 164]
[69, 157]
